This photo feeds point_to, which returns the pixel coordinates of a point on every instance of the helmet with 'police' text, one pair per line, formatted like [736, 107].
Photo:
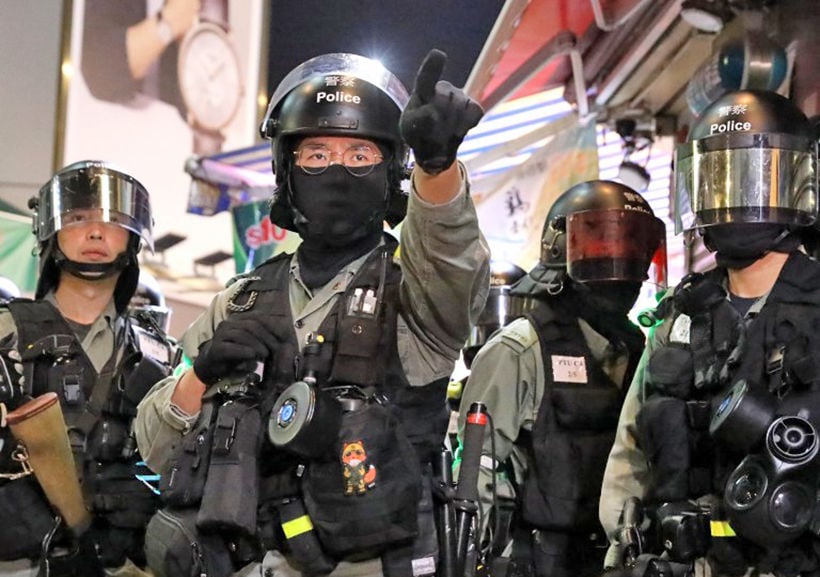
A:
[337, 95]
[750, 158]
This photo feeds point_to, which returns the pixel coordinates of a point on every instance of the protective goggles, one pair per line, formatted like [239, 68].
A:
[616, 245]
[738, 177]
[92, 191]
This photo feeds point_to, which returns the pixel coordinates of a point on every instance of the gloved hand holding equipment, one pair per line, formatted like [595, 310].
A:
[239, 342]
[40, 427]
[437, 117]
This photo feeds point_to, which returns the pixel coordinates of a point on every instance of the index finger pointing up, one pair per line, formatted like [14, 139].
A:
[429, 74]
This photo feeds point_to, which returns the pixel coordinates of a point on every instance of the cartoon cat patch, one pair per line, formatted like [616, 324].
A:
[359, 475]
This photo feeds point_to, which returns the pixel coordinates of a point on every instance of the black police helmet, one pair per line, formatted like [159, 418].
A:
[501, 307]
[751, 158]
[338, 95]
[600, 230]
[99, 191]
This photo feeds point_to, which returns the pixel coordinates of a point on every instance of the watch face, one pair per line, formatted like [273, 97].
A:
[209, 76]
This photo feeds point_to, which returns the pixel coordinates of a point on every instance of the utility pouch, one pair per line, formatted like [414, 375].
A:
[21, 535]
[231, 492]
[119, 496]
[304, 551]
[419, 558]
[174, 547]
[138, 381]
[365, 499]
[184, 482]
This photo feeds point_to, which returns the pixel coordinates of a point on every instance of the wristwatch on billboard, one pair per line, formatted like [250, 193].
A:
[210, 78]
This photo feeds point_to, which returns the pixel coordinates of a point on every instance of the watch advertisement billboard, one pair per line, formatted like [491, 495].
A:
[150, 84]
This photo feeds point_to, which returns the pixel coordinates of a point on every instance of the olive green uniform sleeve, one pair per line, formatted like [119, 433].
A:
[507, 376]
[445, 265]
[159, 423]
[627, 471]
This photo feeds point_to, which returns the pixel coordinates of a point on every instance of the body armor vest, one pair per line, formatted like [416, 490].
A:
[771, 354]
[573, 431]
[98, 409]
[363, 492]
[360, 346]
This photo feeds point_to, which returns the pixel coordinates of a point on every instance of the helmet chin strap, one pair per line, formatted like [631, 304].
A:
[91, 271]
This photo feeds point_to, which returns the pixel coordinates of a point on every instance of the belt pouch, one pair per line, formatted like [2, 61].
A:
[231, 492]
[184, 482]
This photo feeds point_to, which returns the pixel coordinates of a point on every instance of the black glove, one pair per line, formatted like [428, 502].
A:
[437, 116]
[239, 342]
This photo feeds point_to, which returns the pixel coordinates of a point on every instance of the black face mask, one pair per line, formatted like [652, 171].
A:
[339, 217]
[739, 245]
[336, 208]
[615, 297]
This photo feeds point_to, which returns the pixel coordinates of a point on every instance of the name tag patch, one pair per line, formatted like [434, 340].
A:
[569, 369]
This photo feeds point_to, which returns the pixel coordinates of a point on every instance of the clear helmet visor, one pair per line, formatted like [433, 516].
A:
[616, 245]
[93, 191]
[748, 178]
[341, 64]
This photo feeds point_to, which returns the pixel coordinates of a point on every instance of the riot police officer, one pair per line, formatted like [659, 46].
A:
[76, 340]
[716, 436]
[553, 381]
[337, 324]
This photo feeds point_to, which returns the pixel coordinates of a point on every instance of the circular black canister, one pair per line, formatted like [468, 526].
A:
[304, 420]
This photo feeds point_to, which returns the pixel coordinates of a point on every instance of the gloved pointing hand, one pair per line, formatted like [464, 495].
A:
[437, 116]
[239, 342]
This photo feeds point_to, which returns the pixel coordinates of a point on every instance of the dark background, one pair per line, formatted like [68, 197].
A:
[398, 33]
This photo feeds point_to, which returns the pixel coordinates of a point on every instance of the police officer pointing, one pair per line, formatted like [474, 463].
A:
[343, 321]
[77, 340]
[717, 436]
[553, 381]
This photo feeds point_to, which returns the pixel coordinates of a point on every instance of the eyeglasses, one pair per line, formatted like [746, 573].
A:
[358, 160]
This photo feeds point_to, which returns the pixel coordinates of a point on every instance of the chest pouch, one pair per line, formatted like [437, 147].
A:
[65, 373]
[120, 496]
[138, 374]
[670, 371]
[363, 497]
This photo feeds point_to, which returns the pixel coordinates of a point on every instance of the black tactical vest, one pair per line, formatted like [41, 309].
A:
[775, 352]
[98, 409]
[358, 349]
[574, 428]
[400, 427]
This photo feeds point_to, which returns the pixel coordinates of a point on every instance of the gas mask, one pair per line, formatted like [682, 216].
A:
[770, 497]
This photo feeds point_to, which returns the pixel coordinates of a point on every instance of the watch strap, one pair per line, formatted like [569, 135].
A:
[164, 30]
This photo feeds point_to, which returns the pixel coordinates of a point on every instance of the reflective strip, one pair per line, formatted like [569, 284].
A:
[297, 526]
[721, 529]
